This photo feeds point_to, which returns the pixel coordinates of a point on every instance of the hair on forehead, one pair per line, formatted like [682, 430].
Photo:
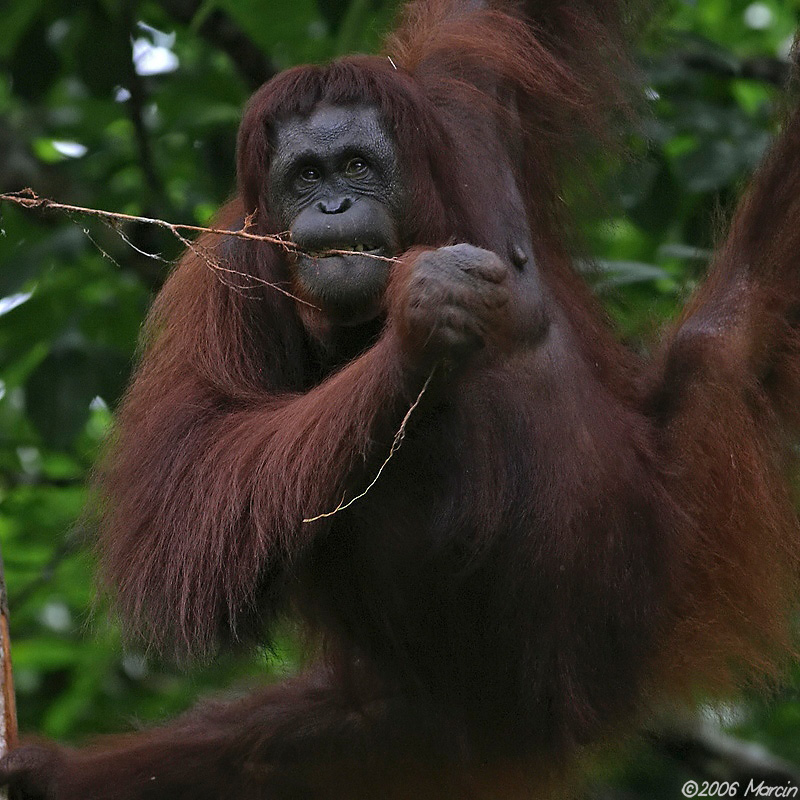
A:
[334, 120]
[357, 80]
[408, 115]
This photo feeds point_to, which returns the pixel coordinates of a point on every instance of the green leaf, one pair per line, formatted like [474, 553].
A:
[709, 168]
[59, 391]
[16, 20]
[623, 273]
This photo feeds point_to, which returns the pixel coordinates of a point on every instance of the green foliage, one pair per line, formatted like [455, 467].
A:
[79, 124]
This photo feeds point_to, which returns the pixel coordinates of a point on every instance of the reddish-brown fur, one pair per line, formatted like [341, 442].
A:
[567, 535]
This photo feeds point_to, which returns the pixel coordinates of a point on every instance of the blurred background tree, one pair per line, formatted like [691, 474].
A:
[133, 107]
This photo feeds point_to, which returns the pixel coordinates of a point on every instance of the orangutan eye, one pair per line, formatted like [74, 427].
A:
[310, 174]
[356, 168]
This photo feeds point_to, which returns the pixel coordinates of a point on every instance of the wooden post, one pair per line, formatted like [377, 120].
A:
[8, 704]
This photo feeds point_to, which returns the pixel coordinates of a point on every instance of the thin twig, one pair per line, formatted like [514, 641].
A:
[398, 440]
[117, 228]
[100, 249]
[27, 198]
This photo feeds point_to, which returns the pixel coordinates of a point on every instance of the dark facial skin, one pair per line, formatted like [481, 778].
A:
[335, 184]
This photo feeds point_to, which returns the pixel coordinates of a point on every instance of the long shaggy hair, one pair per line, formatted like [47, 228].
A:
[568, 534]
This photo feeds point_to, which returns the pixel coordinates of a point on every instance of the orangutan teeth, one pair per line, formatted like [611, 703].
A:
[360, 247]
